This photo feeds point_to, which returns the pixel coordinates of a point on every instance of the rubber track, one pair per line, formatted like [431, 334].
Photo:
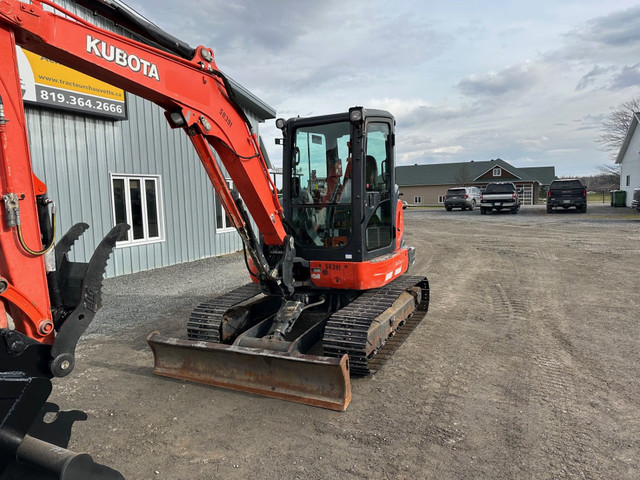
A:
[346, 330]
[204, 322]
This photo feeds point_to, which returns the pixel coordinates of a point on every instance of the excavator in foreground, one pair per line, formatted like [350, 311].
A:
[329, 295]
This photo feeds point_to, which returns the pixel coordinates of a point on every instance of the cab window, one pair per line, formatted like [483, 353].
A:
[321, 185]
[377, 180]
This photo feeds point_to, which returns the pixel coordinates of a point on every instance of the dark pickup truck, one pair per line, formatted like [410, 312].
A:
[500, 196]
[567, 193]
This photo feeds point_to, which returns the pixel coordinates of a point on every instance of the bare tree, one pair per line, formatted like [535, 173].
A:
[462, 175]
[608, 179]
[616, 125]
[609, 170]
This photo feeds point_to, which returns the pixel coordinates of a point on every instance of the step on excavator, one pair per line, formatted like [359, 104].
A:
[328, 293]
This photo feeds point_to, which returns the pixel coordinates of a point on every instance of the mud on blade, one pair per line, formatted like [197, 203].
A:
[309, 379]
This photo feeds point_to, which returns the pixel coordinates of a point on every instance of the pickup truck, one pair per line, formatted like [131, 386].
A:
[499, 196]
[567, 193]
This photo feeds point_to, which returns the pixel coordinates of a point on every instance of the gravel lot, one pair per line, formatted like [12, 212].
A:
[527, 366]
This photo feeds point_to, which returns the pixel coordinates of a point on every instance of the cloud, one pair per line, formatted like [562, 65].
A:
[516, 79]
[606, 40]
[290, 48]
[591, 77]
[533, 142]
[271, 26]
[417, 113]
[617, 29]
[609, 43]
[612, 78]
[590, 122]
[627, 77]
[448, 150]
[443, 71]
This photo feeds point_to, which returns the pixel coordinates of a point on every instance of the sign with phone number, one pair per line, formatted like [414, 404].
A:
[79, 101]
[45, 82]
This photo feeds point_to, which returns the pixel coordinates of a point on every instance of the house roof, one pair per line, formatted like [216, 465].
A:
[469, 172]
[544, 175]
[623, 150]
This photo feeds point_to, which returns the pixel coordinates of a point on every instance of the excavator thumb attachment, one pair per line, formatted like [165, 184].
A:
[309, 379]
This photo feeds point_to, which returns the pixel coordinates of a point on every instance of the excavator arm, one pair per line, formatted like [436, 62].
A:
[194, 93]
[51, 300]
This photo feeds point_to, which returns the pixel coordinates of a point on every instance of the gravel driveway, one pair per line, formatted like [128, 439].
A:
[527, 366]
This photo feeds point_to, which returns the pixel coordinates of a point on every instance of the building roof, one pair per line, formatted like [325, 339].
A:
[251, 102]
[544, 175]
[124, 16]
[623, 150]
[469, 172]
[265, 155]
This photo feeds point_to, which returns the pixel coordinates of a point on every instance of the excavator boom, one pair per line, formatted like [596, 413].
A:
[328, 263]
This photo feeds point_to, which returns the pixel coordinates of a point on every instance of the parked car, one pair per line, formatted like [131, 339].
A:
[462, 197]
[500, 196]
[567, 193]
[635, 202]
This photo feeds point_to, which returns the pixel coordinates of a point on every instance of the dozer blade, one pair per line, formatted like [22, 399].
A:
[308, 379]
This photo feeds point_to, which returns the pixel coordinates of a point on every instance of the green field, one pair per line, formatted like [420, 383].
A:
[599, 198]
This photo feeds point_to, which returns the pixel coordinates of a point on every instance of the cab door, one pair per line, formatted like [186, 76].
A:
[379, 179]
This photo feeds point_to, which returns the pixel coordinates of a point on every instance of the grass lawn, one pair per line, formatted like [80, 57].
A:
[599, 197]
[591, 198]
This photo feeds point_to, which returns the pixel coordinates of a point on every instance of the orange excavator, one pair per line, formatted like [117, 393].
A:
[329, 295]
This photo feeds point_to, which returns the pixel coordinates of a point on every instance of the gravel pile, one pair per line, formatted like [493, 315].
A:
[143, 298]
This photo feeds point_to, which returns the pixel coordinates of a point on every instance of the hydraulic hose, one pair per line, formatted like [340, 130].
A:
[38, 253]
[11, 200]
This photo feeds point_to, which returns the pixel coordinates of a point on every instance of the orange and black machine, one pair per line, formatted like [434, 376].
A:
[327, 263]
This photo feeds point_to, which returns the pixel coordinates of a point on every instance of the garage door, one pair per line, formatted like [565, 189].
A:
[527, 195]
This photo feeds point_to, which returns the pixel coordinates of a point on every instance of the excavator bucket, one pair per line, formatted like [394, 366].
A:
[309, 379]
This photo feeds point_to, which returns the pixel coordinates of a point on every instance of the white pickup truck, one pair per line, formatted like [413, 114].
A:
[500, 196]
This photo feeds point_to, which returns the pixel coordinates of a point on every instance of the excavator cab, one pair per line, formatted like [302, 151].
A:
[340, 171]
[344, 263]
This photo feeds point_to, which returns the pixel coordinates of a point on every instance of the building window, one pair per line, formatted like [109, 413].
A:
[628, 180]
[417, 200]
[497, 172]
[137, 201]
[223, 222]
[441, 198]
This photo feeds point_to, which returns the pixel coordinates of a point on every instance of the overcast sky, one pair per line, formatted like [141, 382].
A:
[526, 81]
